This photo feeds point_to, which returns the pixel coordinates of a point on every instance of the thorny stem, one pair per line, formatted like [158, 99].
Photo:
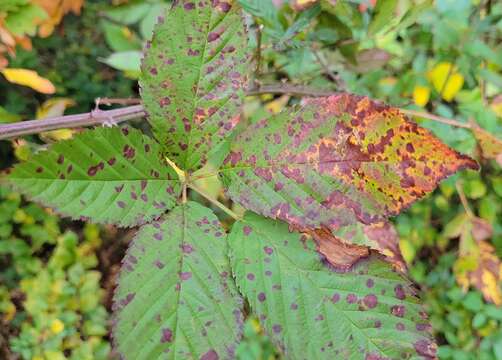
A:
[214, 202]
[100, 117]
[96, 117]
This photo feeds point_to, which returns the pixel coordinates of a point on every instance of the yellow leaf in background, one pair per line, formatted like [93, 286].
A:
[29, 78]
[51, 108]
[57, 326]
[446, 80]
[421, 95]
[276, 106]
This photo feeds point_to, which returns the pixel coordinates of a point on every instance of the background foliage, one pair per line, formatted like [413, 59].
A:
[439, 56]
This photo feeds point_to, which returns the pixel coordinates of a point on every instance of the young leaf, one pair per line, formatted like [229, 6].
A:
[335, 161]
[193, 78]
[106, 175]
[368, 312]
[176, 298]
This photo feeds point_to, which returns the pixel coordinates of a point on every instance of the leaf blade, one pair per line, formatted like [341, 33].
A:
[295, 295]
[194, 111]
[106, 175]
[183, 279]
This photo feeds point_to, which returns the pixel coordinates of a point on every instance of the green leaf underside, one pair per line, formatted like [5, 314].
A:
[176, 297]
[193, 78]
[106, 175]
[312, 312]
[335, 161]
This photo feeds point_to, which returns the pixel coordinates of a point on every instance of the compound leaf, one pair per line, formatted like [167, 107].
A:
[106, 175]
[313, 312]
[334, 161]
[193, 78]
[176, 298]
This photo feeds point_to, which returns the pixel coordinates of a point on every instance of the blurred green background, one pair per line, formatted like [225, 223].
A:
[440, 57]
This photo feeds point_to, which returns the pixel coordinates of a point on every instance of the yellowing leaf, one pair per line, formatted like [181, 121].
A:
[491, 147]
[486, 276]
[421, 95]
[51, 108]
[446, 80]
[56, 10]
[29, 78]
[276, 106]
[477, 265]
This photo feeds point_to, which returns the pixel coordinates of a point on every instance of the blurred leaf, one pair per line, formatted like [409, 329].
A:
[446, 80]
[121, 38]
[383, 13]
[7, 117]
[29, 78]
[491, 147]
[125, 61]
[421, 95]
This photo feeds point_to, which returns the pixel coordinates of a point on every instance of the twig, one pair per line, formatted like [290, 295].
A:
[290, 90]
[436, 118]
[326, 68]
[463, 199]
[215, 202]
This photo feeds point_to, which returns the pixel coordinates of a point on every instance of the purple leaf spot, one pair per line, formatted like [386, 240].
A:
[210, 355]
[246, 230]
[167, 336]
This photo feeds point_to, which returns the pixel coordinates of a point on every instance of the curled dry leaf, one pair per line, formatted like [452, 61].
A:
[340, 255]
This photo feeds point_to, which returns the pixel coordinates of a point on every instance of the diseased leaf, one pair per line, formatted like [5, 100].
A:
[335, 161]
[176, 298]
[312, 312]
[193, 80]
[107, 175]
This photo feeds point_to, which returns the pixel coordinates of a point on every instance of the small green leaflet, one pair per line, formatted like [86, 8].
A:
[176, 297]
[107, 175]
[194, 77]
[312, 312]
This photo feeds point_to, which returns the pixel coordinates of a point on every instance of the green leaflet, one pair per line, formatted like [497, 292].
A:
[193, 78]
[106, 175]
[176, 297]
[335, 161]
[312, 312]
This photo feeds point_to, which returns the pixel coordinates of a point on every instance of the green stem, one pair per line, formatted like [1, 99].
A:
[215, 202]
